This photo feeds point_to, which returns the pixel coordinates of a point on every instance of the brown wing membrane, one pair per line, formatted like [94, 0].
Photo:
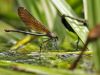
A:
[30, 21]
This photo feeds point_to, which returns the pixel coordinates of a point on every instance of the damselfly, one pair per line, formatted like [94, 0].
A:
[32, 23]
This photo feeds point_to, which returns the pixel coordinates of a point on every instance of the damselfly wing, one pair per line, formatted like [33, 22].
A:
[32, 23]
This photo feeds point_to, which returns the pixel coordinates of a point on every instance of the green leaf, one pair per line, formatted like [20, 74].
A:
[10, 68]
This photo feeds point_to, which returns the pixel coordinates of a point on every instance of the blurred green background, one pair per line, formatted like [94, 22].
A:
[47, 13]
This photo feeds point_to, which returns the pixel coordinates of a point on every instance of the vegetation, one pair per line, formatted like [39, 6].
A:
[20, 53]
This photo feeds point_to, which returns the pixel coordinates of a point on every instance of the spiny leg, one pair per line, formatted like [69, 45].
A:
[43, 43]
[51, 42]
[40, 56]
[55, 43]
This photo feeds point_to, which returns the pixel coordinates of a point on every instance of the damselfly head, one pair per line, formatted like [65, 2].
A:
[52, 35]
